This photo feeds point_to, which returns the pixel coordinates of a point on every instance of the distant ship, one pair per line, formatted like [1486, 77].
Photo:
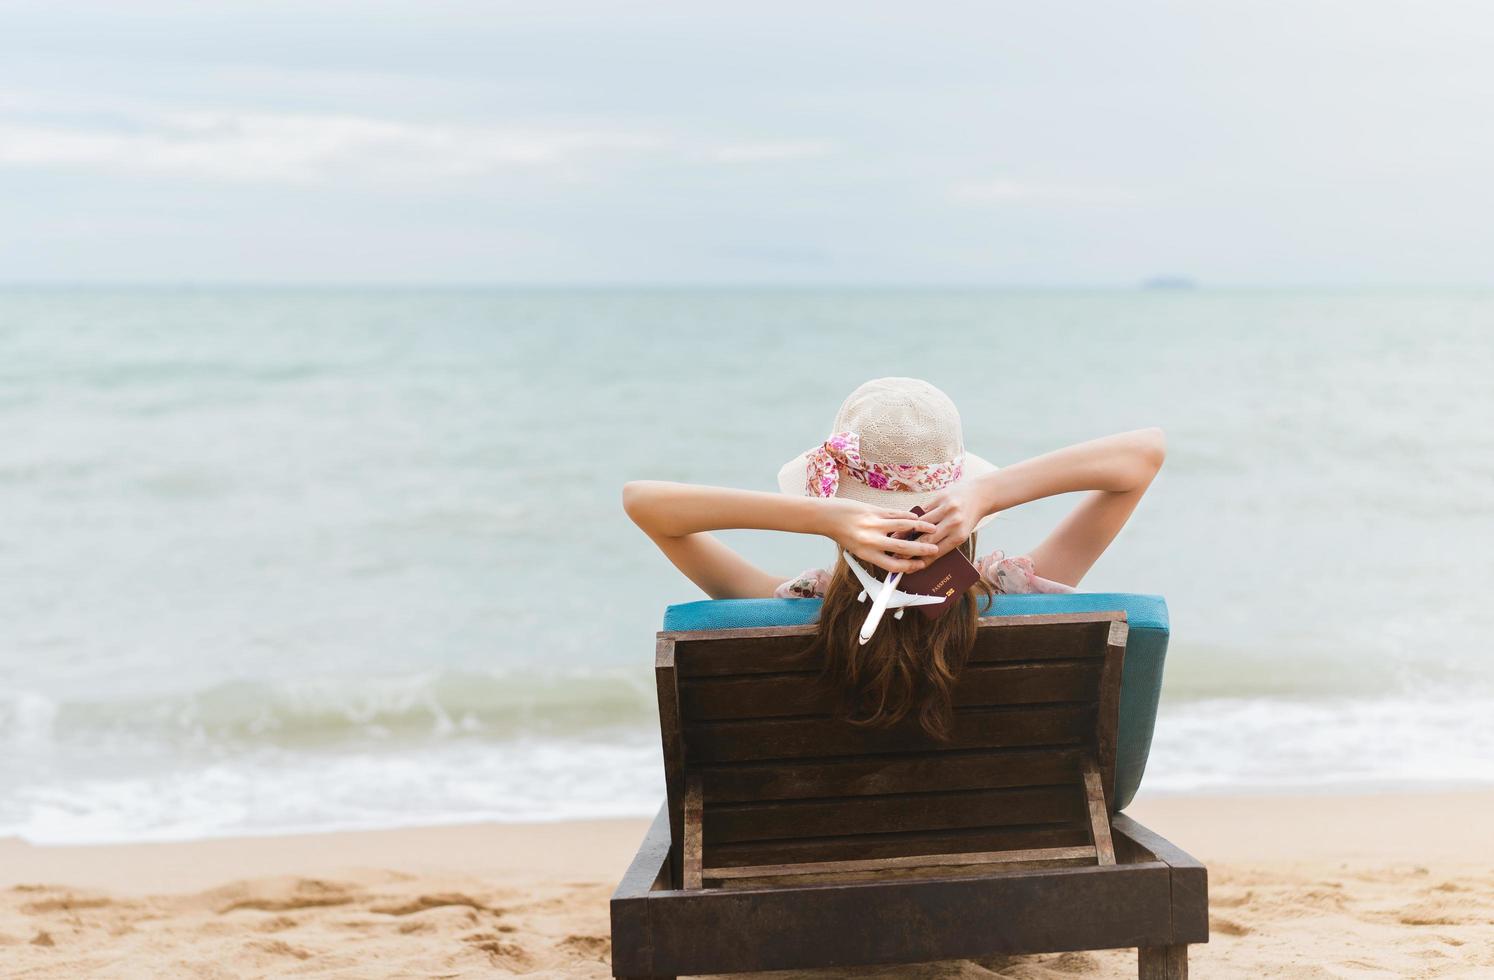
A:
[1169, 282]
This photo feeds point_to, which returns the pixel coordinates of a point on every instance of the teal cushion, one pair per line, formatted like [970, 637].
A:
[1141, 681]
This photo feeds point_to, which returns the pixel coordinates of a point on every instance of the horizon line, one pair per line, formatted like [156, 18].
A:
[1165, 284]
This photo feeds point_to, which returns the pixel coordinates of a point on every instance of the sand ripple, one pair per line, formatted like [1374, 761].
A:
[1283, 921]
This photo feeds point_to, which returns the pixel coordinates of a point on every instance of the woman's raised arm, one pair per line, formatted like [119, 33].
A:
[1116, 469]
[677, 516]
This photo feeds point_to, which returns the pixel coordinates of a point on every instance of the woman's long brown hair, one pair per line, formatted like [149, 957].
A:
[907, 668]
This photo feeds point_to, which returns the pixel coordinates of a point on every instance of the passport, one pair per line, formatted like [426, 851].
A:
[951, 575]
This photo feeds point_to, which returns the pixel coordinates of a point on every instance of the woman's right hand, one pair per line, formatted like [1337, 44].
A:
[866, 531]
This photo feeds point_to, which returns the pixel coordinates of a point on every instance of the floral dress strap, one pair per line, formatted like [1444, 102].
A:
[808, 584]
[1015, 575]
[1006, 576]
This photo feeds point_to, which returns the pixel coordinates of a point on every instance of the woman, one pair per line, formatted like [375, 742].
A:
[896, 444]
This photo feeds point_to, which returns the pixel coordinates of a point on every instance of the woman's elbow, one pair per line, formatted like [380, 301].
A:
[635, 499]
[645, 502]
[1153, 448]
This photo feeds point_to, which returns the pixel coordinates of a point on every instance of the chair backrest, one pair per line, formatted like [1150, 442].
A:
[750, 743]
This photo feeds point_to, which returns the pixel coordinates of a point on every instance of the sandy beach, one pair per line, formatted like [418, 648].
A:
[1319, 886]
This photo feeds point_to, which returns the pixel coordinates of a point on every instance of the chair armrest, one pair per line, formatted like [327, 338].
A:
[1190, 880]
[1165, 850]
[650, 867]
[632, 941]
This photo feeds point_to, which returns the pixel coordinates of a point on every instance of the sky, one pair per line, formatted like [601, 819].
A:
[1019, 144]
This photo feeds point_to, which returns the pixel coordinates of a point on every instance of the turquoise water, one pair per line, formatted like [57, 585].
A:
[278, 559]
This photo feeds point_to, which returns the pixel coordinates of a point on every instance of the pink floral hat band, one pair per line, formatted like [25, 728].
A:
[842, 453]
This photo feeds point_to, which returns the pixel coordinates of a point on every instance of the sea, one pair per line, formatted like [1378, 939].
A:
[289, 559]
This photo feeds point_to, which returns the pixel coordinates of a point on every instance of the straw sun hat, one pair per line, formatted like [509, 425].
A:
[896, 443]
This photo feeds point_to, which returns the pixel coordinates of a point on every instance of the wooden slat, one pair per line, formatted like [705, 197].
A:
[752, 696]
[1058, 637]
[786, 695]
[694, 837]
[914, 812]
[785, 648]
[722, 652]
[902, 921]
[740, 741]
[977, 858]
[878, 775]
[1099, 814]
[857, 846]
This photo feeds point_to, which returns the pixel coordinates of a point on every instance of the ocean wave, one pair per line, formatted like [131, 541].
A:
[613, 768]
[275, 791]
[1286, 744]
[331, 710]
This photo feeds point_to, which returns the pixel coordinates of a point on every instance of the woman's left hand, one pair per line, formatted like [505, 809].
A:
[954, 512]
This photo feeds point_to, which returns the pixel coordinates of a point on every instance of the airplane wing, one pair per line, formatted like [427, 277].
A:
[900, 599]
[871, 585]
[874, 586]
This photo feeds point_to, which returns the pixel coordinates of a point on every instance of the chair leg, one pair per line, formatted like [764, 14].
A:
[1162, 962]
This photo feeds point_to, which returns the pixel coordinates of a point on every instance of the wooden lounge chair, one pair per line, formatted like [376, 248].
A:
[792, 840]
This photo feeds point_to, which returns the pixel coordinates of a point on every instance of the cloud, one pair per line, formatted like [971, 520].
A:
[770, 151]
[997, 191]
[101, 136]
[297, 147]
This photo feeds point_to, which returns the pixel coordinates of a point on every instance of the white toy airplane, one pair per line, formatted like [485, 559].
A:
[884, 596]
